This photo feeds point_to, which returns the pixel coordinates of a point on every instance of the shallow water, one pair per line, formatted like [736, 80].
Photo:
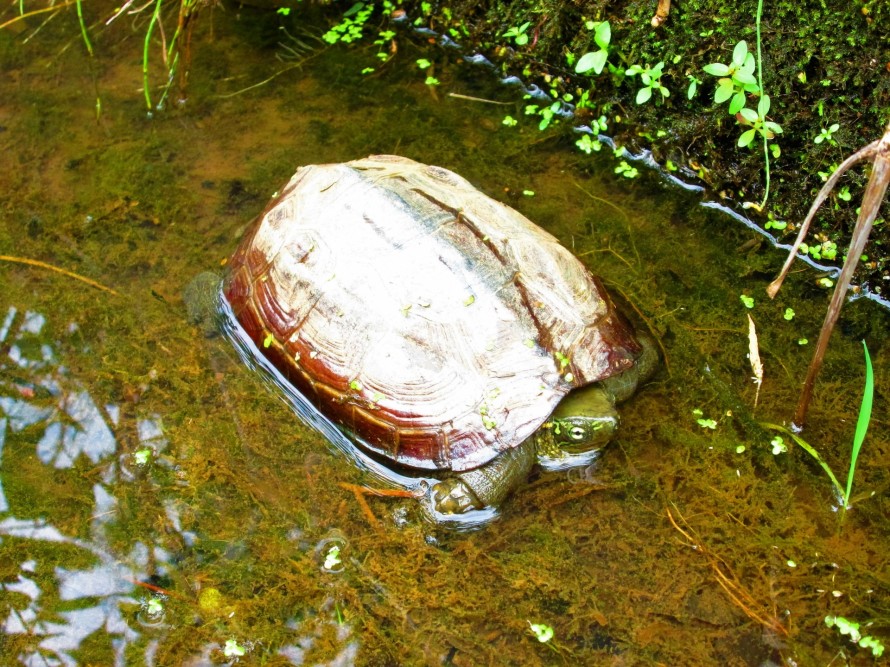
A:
[158, 500]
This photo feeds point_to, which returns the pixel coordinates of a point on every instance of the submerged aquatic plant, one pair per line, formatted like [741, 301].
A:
[859, 436]
[851, 630]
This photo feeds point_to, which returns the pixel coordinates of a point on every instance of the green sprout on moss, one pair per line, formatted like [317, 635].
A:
[788, 314]
[826, 135]
[707, 423]
[650, 77]
[518, 33]
[851, 630]
[778, 445]
[736, 78]
[748, 301]
[758, 122]
[596, 60]
[772, 223]
[542, 632]
[509, 121]
[142, 456]
[431, 81]
[547, 113]
[588, 145]
[423, 63]
[626, 170]
[694, 83]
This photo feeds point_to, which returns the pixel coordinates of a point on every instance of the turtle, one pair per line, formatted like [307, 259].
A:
[441, 330]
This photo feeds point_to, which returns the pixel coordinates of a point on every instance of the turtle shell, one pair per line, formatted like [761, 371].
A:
[438, 325]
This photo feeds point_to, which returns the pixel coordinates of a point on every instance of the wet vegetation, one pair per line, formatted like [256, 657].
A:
[160, 504]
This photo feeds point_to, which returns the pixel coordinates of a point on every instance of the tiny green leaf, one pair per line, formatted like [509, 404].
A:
[763, 106]
[749, 115]
[737, 105]
[717, 69]
[603, 35]
[739, 53]
[746, 138]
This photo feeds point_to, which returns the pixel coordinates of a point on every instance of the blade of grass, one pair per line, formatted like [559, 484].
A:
[155, 17]
[862, 422]
[804, 445]
[83, 28]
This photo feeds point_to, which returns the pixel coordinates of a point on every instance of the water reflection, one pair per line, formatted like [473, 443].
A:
[66, 586]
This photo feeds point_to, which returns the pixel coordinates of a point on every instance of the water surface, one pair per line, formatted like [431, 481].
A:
[160, 504]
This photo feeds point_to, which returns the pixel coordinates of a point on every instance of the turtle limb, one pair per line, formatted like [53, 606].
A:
[487, 485]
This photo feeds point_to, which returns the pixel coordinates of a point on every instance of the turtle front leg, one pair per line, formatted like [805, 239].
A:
[487, 485]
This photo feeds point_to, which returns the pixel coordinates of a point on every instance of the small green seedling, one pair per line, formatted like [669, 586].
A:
[142, 456]
[588, 145]
[650, 77]
[542, 632]
[509, 121]
[431, 81]
[694, 83]
[827, 135]
[737, 78]
[707, 423]
[423, 63]
[154, 606]
[758, 122]
[596, 60]
[748, 301]
[778, 445]
[788, 314]
[518, 34]
[626, 170]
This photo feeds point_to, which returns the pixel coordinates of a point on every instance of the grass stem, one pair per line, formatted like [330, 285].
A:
[862, 422]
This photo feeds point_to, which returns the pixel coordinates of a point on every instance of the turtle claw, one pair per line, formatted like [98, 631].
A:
[453, 496]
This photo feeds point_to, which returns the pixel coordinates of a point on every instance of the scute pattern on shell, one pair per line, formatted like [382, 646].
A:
[420, 313]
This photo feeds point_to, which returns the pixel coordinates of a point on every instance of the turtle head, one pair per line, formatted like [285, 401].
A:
[583, 422]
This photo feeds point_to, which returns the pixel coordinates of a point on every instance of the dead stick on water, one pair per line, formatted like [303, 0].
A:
[879, 153]
[64, 272]
[470, 98]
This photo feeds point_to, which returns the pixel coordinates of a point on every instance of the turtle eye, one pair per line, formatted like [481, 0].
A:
[576, 433]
